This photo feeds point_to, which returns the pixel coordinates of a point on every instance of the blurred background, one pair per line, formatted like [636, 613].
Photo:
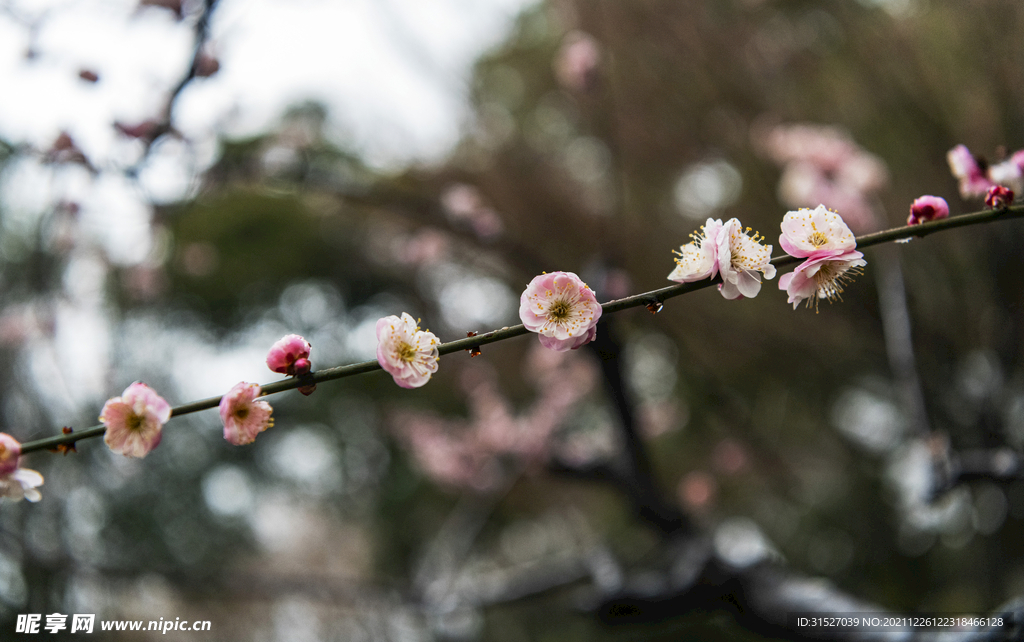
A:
[184, 182]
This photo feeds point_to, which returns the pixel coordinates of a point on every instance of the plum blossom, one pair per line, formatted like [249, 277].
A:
[728, 249]
[10, 454]
[290, 356]
[134, 420]
[740, 258]
[969, 171]
[998, 197]
[821, 237]
[927, 208]
[822, 278]
[1010, 172]
[815, 233]
[562, 309]
[16, 483]
[977, 177]
[473, 452]
[577, 60]
[243, 415]
[405, 352]
[21, 484]
[698, 259]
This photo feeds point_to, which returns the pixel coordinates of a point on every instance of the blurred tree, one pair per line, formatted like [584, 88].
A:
[692, 475]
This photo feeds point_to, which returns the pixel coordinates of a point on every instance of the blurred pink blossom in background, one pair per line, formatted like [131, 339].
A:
[822, 164]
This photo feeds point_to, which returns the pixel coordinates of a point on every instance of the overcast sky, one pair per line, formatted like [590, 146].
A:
[392, 72]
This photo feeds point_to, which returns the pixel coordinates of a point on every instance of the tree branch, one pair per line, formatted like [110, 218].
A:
[634, 301]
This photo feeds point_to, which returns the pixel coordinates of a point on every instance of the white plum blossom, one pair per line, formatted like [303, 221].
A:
[405, 352]
[729, 250]
[698, 259]
[21, 484]
[740, 258]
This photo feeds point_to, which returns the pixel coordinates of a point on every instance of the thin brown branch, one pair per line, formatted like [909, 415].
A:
[634, 301]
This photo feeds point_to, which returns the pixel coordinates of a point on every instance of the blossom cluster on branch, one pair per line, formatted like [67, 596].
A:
[558, 306]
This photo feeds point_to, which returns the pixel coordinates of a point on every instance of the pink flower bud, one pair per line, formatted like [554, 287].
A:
[927, 208]
[284, 356]
[10, 454]
[999, 197]
[301, 367]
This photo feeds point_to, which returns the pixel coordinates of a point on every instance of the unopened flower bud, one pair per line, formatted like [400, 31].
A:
[999, 197]
[927, 208]
[302, 367]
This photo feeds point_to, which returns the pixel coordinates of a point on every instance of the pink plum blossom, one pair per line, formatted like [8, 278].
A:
[10, 454]
[1010, 172]
[562, 309]
[698, 259]
[289, 355]
[243, 415]
[577, 61]
[927, 208]
[816, 233]
[466, 205]
[405, 352]
[21, 483]
[821, 278]
[971, 174]
[134, 420]
[821, 237]
[472, 452]
[740, 258]
[998, 197]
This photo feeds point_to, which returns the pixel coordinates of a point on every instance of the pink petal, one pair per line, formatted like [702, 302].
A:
[10, 454]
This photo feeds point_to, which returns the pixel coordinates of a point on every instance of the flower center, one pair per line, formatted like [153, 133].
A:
[242, 412]
[829, 282]
[737, 258]
[817, 239]
[559, 310]
[406, 352]
[134, 422]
